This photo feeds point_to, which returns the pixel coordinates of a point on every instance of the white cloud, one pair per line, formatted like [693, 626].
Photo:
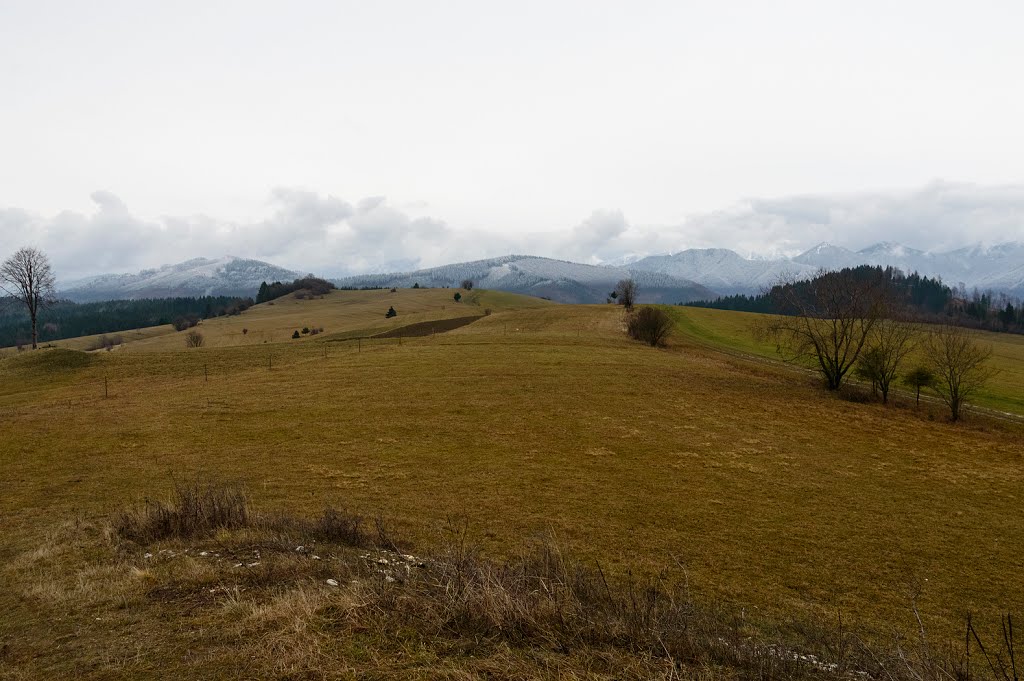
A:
[595, 238]
[940, 216]
[305, 231]
[328, 235]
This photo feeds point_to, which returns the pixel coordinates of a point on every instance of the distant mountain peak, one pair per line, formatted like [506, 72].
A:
[890, 249]
[825, 248]
[228, 275]
[883, 247]
[559, 280]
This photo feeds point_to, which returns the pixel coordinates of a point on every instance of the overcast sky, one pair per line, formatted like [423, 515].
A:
[343, 137]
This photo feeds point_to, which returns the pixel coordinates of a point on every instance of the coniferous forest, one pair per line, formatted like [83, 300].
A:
[66, 319]
[924, 298]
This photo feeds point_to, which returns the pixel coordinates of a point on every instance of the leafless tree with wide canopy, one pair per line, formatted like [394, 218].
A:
[27, 277]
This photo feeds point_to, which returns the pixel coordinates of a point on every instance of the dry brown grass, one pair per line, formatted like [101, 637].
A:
[778, 500]
[281, 603]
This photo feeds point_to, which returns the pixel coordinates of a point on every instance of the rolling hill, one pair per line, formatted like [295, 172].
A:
[703, 465]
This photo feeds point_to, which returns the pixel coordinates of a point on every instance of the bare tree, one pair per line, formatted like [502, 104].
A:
[889, 343]
[625, 293]
[828, 320]
[650, 325]
[29, 280]
[467, 284]
[960, 366]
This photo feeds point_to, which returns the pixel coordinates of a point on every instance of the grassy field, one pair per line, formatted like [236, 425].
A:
[772, 498]
[736, 331]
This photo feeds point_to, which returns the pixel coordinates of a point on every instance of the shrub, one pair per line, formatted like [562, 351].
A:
[305, 331]
[185, 322]
[467, 284]
[194, 339]
[919, 377]
[391, 312]
[457, 296]
[245, 331]
[296, 334]
[650, 325]
[192, 511]
[340, 527]
[105, 342]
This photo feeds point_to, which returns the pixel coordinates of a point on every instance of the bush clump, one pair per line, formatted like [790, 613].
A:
[185, 322]
[192, 511]
[650, 325]
[198, 510]
[194, 339]
[105, 342]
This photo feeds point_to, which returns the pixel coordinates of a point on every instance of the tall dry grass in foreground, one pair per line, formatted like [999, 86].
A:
[454, 612]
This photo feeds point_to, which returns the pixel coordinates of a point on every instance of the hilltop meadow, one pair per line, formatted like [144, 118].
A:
[549, 499]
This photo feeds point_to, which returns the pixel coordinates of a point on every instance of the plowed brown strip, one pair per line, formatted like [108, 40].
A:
[427, 328]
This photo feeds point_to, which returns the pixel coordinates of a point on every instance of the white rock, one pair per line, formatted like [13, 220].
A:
[148, 555]
[332, 582]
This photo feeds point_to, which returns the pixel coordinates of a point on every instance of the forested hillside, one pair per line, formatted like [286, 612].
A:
[924, 298]
[66, 319]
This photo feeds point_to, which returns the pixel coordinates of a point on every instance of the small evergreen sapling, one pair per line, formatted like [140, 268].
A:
[919, 377]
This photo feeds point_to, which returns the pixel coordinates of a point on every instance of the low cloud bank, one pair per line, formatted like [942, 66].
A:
[308, 231]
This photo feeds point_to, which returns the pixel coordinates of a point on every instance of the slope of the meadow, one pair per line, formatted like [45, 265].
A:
[341, 314]
[736, 332]
[768, 494]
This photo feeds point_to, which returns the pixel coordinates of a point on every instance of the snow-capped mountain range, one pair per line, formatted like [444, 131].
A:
[560, 280]
[227, 276]
[684, 276]
[998, 268]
